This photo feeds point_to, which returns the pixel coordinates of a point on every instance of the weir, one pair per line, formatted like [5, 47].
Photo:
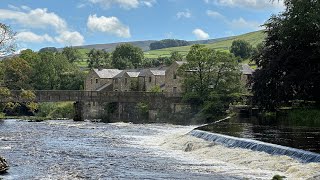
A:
[273, 149]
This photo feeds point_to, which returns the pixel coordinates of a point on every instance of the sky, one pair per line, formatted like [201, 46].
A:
[60, 23]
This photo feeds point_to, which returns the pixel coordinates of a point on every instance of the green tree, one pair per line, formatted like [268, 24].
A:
[72, 54]
[17, 72]
[49, 50]
[99, 59]
[7, 44]
[127, 56]
[289, 61]
[175, 56]
[241, 48]
[211, 80]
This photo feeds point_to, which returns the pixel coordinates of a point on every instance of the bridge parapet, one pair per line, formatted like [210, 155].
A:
[92, 96]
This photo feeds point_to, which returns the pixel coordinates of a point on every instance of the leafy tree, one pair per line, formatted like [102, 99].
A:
[126, 56]
[7, 44]
[289, 61]
[99, 59]
[211, 80]
[175, 56]
[241, 48]
[166, 43]
[49, 49]
[72, 54]
[30, 56]
[17, 73]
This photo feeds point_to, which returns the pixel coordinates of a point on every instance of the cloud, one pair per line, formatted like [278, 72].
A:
[70, 38]
[215, 14]
[13, 7]
[109, 25]
[200, 34]
[242, 24]
[252, 4]
[184, 14]
[33, 38]
[125, 4]
[41, 19]
[36, 18]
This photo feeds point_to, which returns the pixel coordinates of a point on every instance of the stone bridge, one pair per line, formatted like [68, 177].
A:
[154, 100]
[94, 96]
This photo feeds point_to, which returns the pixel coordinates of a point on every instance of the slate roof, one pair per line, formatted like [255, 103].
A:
[104, 86]
[133, 74]
[246, 69]
[130, 72]
[158, 72]
[180, 63]
[107, 73]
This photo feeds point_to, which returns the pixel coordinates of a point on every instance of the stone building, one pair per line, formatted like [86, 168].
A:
[246, 75]
[151, 78]
[101, 79]
[127, 80]
[173, 80]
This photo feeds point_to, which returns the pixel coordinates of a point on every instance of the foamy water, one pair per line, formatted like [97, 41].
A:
[85, 150]
[204, 156]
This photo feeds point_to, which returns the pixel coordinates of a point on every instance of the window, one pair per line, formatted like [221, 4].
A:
[150, 78]
[174, 76]
[91, 80]
[125, 81]
[174, 89]
[97, 80]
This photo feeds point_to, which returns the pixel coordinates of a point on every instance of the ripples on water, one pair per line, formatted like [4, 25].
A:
[85, 150]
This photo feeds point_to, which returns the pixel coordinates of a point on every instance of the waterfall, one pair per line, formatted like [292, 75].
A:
[229, 141]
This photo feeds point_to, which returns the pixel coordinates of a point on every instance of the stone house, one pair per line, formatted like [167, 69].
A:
[173, 82]
[101, 79]
[125, 81]
[150, 78]
[246, 75]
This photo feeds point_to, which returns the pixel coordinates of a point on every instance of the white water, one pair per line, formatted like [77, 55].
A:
[207, 157]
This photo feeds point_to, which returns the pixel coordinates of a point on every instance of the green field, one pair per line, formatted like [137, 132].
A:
[253, 38]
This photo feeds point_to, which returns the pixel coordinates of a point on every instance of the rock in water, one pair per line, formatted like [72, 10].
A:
[3, 165]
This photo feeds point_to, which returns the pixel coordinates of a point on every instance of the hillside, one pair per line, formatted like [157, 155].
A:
[253, 38]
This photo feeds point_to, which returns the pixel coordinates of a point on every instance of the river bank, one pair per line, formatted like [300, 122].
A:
[86, 150]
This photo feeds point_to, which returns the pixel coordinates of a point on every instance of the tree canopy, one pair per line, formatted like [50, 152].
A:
[72, 54]
[211, 79]
[289, 60]
[7, 44]
[127, 56]
[166, 43]
[99, 59]
[241, 48]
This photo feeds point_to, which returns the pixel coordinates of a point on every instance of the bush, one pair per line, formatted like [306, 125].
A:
[56, 110]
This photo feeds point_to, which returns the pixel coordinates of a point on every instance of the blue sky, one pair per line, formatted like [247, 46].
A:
[78, 22]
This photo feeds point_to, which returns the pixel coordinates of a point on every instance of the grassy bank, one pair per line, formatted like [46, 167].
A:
[304, 117]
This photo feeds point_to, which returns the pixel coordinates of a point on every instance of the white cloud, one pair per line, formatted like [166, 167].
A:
[242, 24]
[69, 38]
[184, 14]
[13, 7]
[33, 38]
[254, 4]
[126, 4]
[109, 25]
[200, 34]
[215, 14]
[41, 18]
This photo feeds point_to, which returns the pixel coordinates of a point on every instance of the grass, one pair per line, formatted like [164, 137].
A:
[254, 38]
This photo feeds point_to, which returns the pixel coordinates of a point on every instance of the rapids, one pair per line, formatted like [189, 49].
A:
[86, 150]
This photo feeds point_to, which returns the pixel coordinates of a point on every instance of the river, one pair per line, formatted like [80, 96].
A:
[87, 150]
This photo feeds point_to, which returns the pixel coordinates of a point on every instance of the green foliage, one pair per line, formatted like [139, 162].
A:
[17, 73]
[166, 43]
[134, 86]
[304, 117]
[72, 54]
[288, 63]
[278, 177]
[211, 80]
[48, 50]
[56, 110]
[155, 89]
[7, 43]
[241, 48]
[98, 59]
[27, 95]
[143, 110]
[127, 56]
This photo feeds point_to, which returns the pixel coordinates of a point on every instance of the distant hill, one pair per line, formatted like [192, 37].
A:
[224, 44]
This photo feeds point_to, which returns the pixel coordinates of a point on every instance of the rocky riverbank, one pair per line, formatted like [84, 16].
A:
[3, 165]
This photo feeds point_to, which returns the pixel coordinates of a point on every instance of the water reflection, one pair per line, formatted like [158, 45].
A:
[286, 133]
